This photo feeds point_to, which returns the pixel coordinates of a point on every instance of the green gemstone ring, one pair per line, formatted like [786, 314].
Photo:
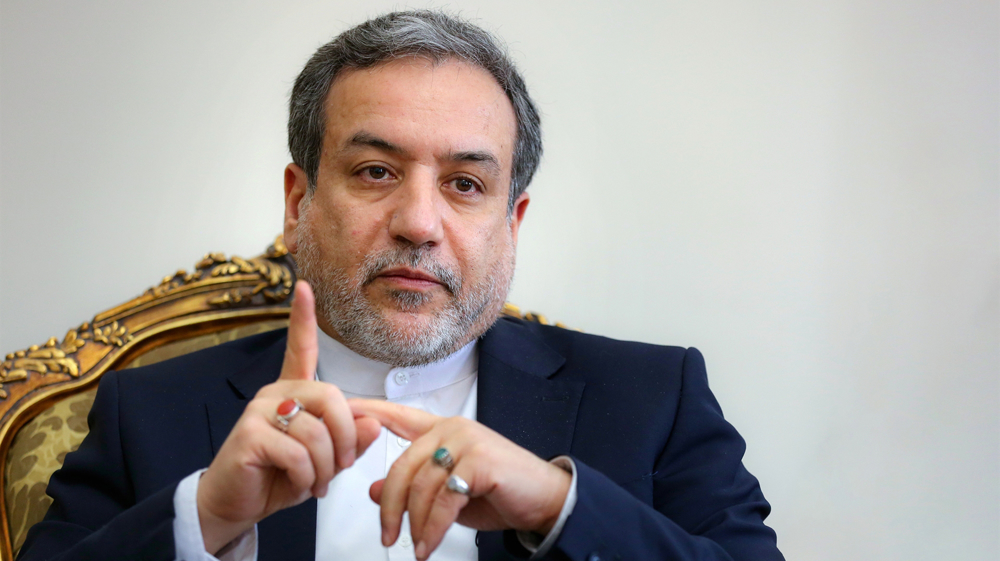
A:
[443, 458]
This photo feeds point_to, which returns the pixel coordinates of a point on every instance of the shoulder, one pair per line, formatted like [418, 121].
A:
[576, 345]
[202, 368]
[605, 360]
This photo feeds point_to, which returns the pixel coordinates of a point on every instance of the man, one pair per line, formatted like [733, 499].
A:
[414, 140]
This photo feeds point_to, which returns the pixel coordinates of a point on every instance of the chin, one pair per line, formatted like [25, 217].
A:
[409, 323]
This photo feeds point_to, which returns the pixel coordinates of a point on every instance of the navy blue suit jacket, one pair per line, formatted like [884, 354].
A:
[660, 474]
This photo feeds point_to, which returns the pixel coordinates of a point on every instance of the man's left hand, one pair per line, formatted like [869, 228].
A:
[509, 487]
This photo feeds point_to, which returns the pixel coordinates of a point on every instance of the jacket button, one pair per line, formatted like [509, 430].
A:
[594, 557]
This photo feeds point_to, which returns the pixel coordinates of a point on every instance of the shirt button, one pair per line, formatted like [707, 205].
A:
[405, 540]
[403, 443]
[401, 378]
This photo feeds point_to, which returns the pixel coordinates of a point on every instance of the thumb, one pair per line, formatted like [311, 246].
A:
[368, 430]
[375, 491]
[301, 349]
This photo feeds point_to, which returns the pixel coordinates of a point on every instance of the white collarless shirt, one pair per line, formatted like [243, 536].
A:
[347, 521]
[348, 525]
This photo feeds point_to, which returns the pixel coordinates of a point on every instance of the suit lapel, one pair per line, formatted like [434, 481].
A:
[519, 398]
[290, 533]
[225, 407]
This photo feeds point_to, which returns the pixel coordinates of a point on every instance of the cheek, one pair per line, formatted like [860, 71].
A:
[348, 228]
[329, 237]
[484, 247]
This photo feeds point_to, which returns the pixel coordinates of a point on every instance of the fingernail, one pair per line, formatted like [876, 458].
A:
[385, 538]
[350, 457]
[421, 551]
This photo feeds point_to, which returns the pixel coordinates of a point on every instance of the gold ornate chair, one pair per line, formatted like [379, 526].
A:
[46, 391]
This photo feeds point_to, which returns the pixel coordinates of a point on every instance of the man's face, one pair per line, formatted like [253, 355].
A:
[406, 239]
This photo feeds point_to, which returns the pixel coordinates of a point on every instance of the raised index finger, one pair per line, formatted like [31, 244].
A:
[404, 421]
[302, 349]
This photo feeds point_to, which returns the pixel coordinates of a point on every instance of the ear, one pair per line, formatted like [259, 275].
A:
[296, 189]
[520, 206]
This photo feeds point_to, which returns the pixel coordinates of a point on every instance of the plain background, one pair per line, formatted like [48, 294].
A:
[806, 191]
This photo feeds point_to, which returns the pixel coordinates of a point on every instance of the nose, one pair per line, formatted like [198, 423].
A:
[417, 216]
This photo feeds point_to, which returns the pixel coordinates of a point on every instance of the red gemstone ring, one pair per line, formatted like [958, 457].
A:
[286, 410]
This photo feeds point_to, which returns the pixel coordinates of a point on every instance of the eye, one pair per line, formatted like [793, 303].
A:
[465, 185]
[377, 172]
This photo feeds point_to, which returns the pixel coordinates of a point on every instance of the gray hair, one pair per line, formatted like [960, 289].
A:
[424, 33]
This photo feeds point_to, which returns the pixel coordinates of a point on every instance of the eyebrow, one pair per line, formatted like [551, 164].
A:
[482, 157]
[486, 159]
[370, 140]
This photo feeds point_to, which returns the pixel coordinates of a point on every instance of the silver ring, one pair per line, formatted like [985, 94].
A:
[457, 484]
[442, 457]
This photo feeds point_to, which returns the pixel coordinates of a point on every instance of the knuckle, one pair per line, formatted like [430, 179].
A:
[249, 427]
[467, 431]
[257, 405]
[300, 455]
[313, 433]
[419, 487]
[477, 450]
[319, 431]
[397, 470]
[444, 500]
[332, 392]
[269, 390]
[257, 423]
[446, 504]
[392, 505]
[393, 472]
[339, 429]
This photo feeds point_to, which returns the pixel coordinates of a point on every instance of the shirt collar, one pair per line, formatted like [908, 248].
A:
[362, 376]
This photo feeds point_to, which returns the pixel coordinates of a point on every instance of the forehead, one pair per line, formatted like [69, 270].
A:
[423, 106]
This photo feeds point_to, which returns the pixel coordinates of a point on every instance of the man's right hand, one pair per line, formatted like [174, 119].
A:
[260, 469]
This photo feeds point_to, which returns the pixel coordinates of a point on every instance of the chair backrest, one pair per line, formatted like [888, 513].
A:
[47, 391]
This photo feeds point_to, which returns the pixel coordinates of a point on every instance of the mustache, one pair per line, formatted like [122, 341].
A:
[414, 257]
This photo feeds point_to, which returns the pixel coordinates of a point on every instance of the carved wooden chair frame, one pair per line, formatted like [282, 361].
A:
[219, 294]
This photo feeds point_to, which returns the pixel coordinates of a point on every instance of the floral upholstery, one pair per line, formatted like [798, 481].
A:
[41, 445]
[38, 450]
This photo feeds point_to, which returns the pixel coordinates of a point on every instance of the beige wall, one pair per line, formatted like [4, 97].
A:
[806, 191]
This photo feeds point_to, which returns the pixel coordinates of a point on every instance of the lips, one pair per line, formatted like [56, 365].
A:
[409, 268]
[408, 276]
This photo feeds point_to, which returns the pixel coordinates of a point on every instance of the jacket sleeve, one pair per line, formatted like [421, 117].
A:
[706, 506]
[94, 513]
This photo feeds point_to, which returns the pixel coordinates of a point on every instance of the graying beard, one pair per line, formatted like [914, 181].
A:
[408, 301]
[469, 313]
